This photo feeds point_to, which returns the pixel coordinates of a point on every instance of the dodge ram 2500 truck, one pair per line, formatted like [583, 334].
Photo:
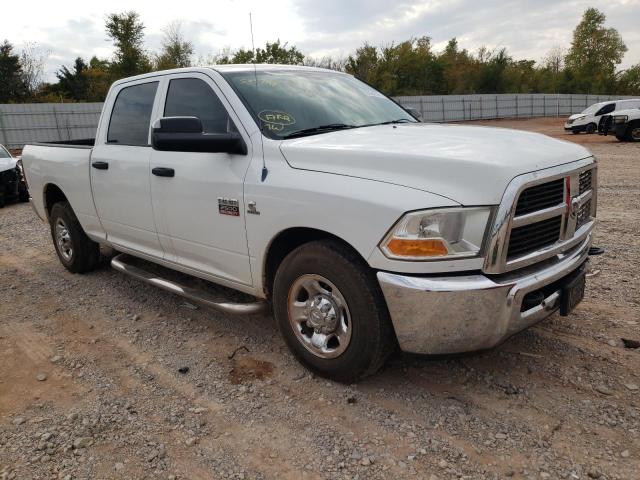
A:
[362, 228]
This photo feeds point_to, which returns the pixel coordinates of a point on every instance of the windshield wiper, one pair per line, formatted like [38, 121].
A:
[400, 120]
[319, 129]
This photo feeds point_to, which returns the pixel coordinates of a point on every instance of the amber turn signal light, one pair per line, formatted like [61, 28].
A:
[417, 248]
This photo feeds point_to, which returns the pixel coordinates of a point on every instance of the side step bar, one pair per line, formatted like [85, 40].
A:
[119, 263]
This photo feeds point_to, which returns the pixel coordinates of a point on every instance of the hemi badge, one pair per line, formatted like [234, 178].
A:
[228, 206]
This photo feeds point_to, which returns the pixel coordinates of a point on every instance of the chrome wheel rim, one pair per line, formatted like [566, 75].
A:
[319, 316]
[63, 240]
[635, 133]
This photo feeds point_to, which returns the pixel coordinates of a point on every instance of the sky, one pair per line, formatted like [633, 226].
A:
[527, 28]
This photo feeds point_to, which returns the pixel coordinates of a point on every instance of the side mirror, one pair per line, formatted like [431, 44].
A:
[414, 112]
[184, 134]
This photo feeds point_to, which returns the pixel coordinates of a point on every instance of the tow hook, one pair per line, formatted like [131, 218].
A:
[593, 251]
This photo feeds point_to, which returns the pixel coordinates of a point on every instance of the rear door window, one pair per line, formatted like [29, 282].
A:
[192, 97]
[131, 115]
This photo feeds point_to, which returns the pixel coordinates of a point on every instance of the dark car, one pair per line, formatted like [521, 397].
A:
[13, 187]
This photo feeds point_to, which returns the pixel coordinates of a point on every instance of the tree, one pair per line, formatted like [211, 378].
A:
[176, 51]
[73, 83]
[595, 51]
[12, 85]
[629, 81]
[127, 32]
[275, 52]
[493, 65]
[32, 60]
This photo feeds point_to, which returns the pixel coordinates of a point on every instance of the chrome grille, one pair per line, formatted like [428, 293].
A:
[540, 196]
[534, 236]
[584, 181]
[542, 214]
[584, 214]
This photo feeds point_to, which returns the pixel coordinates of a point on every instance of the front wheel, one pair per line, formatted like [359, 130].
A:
[331, 312]
[77, 252]
[591, 128]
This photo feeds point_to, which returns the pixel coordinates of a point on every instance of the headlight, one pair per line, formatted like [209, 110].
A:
[437, 234]
[620, 119]
[579, 118]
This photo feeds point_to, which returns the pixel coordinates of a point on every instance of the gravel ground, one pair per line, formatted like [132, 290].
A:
[104, 377]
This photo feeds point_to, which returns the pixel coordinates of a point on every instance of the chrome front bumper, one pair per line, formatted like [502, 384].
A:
[440, 315]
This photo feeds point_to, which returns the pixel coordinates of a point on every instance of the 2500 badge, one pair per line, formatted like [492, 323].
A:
[228, 206]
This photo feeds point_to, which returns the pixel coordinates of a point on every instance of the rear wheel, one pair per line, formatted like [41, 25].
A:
[633, 132]
[331, 312]
[77, 252]
[591, 128]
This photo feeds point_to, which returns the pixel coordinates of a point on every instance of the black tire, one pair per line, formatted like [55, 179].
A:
[84, 253]
[575, 132]
[621, 138]
[591, 128]
[23, 193]
[632, 134]
[372, 337]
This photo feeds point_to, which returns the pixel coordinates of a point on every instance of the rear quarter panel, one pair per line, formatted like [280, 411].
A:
[68, 169]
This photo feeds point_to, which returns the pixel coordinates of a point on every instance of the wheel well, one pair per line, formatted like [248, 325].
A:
[289, 240]
[52, 195]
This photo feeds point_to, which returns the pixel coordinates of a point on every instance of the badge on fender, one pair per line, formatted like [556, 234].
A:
[228, 206]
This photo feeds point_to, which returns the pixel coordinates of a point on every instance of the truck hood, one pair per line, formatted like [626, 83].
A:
[468, 164]
[7, 164]
[577, 115]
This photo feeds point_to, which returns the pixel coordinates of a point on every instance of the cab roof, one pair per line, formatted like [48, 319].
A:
[237, 67]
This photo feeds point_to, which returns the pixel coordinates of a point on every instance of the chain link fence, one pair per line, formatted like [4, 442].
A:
[45, 122]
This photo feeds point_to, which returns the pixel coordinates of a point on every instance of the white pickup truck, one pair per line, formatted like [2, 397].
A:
[362, 228]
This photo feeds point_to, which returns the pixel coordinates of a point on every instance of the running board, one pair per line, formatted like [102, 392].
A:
[119, 263]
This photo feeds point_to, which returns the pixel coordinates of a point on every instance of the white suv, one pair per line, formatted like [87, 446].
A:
[589, 119]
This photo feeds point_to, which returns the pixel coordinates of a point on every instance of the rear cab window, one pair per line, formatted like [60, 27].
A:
[131, 115]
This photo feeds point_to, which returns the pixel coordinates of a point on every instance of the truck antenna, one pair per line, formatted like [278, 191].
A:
[265, 171]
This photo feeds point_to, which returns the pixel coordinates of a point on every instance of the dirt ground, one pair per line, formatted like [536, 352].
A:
[104, 377]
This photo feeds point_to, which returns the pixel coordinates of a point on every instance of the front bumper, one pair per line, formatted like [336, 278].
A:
[442, 315]
[568, 127]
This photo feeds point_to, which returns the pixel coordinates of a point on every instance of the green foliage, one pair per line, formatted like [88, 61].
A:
[272, 53]
[595, 52]
[127, 32]
[12, 85]
[629, 81]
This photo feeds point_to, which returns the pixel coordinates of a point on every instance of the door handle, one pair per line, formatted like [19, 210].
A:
[163, 172]
[100, 165]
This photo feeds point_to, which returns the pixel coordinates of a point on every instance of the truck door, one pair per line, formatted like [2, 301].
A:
[120, 168]
[196, 220]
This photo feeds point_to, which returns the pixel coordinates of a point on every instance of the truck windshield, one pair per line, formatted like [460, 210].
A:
[289, 103]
